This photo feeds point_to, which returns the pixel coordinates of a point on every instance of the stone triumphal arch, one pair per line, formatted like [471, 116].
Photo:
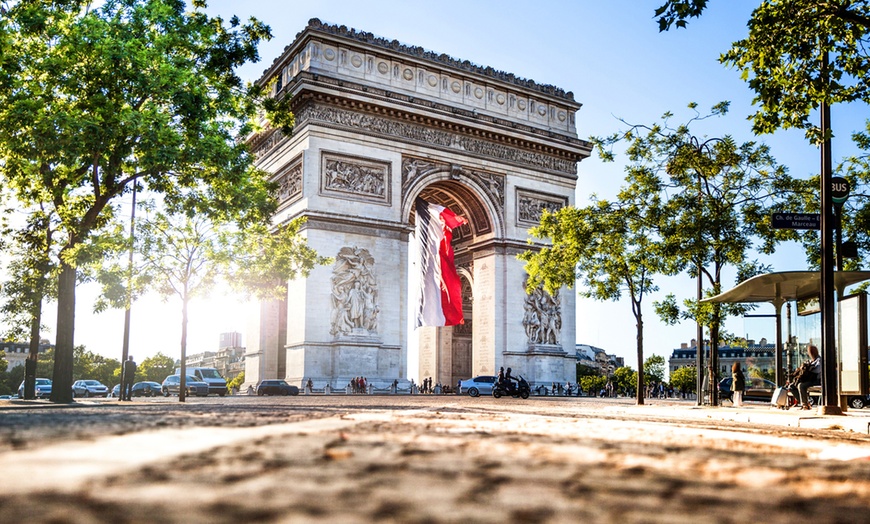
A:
[379, 124]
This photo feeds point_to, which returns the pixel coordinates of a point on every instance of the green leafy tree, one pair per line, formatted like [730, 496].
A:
[586, 371]
[592, 384]
[781, 56]
[625, 380]
[718, 197]
[185, 257]
[611, 247]
[4, 375]
[133, 93]
[88, 365]
[14, 378]
[156, 368]
[654, 368]
[31, 280]
[685, 379]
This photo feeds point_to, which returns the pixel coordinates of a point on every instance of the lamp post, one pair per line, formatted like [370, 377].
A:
[125, 351]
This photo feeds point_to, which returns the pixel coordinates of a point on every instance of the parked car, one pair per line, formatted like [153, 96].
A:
[5, 397]
[43, 388]
[116, 392]
[89, 388]
[172, 386]
[146, 389]
[216, 383]
[756, 389]
[481, 385]
[276, 387]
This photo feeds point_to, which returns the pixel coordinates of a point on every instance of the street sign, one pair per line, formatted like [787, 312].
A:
[796, 221]
[839, 189]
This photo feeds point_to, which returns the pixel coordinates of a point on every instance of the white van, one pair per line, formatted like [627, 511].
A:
[216, 383]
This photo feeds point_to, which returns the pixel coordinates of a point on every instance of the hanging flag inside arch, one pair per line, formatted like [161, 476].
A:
[440, 290]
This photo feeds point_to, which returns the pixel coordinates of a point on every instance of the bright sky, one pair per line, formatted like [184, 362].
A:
[609, 54]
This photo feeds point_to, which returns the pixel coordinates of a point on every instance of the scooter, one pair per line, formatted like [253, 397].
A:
[521, 390]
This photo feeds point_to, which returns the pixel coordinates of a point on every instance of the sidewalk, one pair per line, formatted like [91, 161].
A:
[857, 421]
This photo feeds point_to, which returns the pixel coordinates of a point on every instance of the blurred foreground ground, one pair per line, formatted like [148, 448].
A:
[432, 459]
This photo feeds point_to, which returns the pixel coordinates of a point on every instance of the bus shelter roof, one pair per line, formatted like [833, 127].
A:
[786, 285]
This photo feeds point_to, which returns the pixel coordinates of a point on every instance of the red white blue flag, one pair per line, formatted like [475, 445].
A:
[440, 290]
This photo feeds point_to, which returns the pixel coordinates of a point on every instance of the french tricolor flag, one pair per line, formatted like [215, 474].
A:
[440, 290]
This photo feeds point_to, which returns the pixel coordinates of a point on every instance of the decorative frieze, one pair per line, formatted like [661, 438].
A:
[531, 206]
[354, 294]
[430, 136]
[355, 178]
[289, 181]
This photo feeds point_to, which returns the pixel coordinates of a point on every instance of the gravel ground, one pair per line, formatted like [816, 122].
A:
[430, 459]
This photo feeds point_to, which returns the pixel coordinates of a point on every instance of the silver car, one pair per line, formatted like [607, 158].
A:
[477, 386]
[89, 388]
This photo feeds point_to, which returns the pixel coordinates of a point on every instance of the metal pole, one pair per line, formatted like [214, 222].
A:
[126, 345]
[830, 395]
[699, 345]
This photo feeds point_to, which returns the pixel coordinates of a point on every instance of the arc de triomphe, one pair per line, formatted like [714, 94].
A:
[379, 124]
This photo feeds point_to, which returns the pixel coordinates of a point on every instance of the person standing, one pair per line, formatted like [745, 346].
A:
[738, 385]
[128, 377]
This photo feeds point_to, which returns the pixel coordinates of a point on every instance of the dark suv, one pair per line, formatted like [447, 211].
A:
[276, 387]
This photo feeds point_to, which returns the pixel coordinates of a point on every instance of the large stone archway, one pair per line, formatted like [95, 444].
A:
[378, 125]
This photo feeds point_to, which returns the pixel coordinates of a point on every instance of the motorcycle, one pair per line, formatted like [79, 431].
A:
[520, 390]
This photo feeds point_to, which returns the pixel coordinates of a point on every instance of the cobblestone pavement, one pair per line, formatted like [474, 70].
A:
[341, 459]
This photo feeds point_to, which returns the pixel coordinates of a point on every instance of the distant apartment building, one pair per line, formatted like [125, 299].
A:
[229, 359]
[753, 355]
[597, 358]
[16, 352]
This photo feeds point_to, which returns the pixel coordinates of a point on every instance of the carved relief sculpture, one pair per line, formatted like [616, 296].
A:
[290, 181]
[356, 178]
[354, 294]
[531, 206]
[543, 318]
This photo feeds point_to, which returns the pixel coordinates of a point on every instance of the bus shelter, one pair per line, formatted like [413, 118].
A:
[781, 287]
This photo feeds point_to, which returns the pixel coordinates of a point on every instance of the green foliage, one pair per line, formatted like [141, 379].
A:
[586, 371]
[156, 368]
[755, 371]
[781, 57]
[87, 365]
[138, 93]
[14, 377]
[676, 12]
[685, 379]
[5, 388]
[625, 380]
[610, 247]
[261, 260]
[716, 195]
[592, 384]
[654, 368]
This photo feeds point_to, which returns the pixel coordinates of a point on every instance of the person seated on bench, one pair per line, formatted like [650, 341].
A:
[811, 375]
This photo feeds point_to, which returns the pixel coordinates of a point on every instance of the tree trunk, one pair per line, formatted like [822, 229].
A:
[640, 380]
[714, 357]
[181, 392]
[33, 357]
[62, 378]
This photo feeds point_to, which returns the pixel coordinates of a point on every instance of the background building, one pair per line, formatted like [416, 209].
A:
[759, 356]
[597, 358]
[229, 359]
[16, 352]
